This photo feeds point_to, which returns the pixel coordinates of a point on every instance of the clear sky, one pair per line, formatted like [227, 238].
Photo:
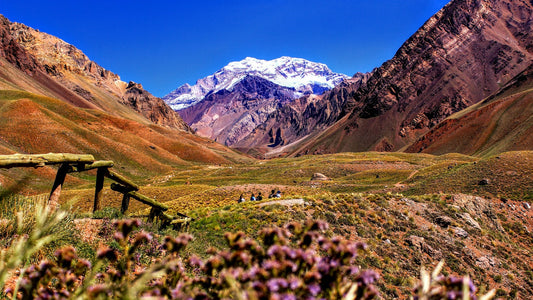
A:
[164, 44]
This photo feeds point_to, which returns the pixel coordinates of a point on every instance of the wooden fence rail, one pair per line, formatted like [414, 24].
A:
[70, 163]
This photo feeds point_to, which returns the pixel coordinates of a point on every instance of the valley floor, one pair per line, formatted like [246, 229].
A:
[412, 210]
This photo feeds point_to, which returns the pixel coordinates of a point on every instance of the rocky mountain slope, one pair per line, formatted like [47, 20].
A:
[461, 55]
[53, 99]
[502, 122]
[70, 75]
[229, 115]
[304, 76]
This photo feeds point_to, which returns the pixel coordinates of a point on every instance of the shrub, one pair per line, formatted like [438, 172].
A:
[294, 262]
[108, 213]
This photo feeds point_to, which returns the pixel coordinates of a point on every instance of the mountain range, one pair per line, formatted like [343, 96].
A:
[465, 53]
[465, 73]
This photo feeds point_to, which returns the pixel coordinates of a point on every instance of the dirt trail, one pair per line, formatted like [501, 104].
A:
[399, 183]
[287, 202]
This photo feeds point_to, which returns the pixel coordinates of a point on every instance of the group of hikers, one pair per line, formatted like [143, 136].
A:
[273, 194]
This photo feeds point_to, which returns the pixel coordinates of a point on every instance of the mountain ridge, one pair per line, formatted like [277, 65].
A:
[97, 87]
[304, 76]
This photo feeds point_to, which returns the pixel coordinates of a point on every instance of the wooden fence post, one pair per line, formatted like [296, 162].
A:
[125, 203]
[153, 213]
[53, 200]
[100, 176]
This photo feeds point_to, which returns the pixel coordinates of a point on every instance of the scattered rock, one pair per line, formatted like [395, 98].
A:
[415, 241]
[470, 221]
[419, 244]
[504, 200]
[484, 181]
[526, 205]
[485, 262]
[460, 232]
[319, 176]
[387, 241]
[443, 221]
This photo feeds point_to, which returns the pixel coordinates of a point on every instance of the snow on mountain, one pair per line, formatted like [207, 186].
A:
[304, 76]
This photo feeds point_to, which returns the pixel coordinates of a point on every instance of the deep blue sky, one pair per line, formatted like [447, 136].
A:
[163, 44]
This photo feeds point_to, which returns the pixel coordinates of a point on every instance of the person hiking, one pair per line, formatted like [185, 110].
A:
[259, 197]
[278, 194]
[272, 194]
[253, 197]
[241, 199]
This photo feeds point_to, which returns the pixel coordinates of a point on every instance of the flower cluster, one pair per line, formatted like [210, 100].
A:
[294, 262]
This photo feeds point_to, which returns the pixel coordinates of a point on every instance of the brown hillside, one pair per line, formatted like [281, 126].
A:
[500, 123]
[37, 124]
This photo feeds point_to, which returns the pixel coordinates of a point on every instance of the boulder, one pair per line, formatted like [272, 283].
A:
[415, 241]
[484, 181]
[443, 221]
[470, 221]
[460, 232]
[486, 262]
[319, 177]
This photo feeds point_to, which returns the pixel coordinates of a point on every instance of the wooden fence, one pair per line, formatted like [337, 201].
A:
[69, 163]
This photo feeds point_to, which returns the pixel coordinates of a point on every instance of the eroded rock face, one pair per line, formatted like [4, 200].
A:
[303, 116]
[155, 109]
[461, 55]
[59, 57]
[13, 52]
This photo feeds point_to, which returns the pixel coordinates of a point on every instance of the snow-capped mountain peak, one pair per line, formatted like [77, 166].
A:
[302, 75]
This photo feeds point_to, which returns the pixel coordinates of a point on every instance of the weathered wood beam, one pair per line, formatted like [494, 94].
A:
[98, 190]
[166, 217]
[95, 165]
[39, 160]
[135, 195]
[180, 221]
[53, 200]
[122, 180]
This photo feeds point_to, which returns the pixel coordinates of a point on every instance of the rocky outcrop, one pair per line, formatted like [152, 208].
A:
[319, 177]
[58, 57]
[13, 52]
[155, 109]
